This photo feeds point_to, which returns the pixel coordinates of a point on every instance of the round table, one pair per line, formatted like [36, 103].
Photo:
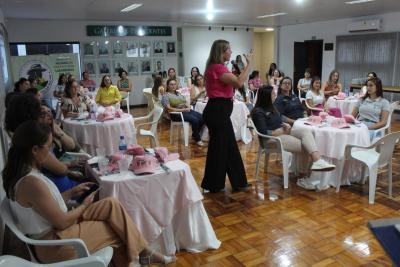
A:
[92, 134]
[345, 105]
[239, 116]
[331, 143]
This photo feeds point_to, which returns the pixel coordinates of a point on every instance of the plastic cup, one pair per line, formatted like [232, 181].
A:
[123, 165]
[103, 165]
[101, 152]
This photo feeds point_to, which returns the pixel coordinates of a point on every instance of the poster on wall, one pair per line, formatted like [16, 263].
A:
[103, 48]
[118, 66]
[145, 48]
[89, 66]
[171, 48]
[118, 48]
[88, 49]
[45, 68]
[133, 49]
[145, 66]
[158, 48]
[104, 67]
[158, 65]
[133, 68]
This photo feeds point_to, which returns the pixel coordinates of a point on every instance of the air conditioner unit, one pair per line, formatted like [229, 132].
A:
[365, 25]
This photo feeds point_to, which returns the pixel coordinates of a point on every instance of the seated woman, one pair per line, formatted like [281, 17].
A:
[73, 103]
[315, 97]
[108, 94]
[369, 77]
[288, 104]
[269, 122]
[124, 84]
[198, 90]
[303, 86]
[243, 95]
[26, 107]
[332, 86]
[21, 86]
[193, 74]
[254, 82]
[275, 81]
[373, 109]
[172, 101]
[158, 88]
[42, 213]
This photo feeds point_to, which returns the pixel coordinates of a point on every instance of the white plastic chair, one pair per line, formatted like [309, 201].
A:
[103, 255]
[301, 98]
[152, 133]
[91, 261]
[271, 144]
[150, 100]
[312, 108]
[126, 99]
[378, 154]
[185, 126]
[393, 106]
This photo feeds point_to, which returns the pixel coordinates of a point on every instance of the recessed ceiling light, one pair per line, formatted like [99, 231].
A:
[210, 16]
[271, 15]
[358, 2]
[131, 7]
[269, 29]
[299, 1]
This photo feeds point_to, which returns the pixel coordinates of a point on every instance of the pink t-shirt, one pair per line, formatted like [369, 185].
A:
[214, 87]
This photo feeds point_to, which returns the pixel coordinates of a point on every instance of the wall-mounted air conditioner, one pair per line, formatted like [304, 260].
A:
[365, 25]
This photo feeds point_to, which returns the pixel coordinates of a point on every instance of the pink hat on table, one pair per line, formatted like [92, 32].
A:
[116, 156]
[341, 96]
[105, 116]
[143, 164]
[323, 115]
[335, 112]
[339, 123]
[119, 113]
[163, 155]
[313, 120]
[350, 119]
[136, 150]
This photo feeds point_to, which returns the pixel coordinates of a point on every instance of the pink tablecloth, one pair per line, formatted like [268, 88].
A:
[346, 105]
[166, 207]
[91, 134]
[331, 143]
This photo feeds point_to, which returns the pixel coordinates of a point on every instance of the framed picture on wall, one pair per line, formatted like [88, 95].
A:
[89, 66]
[133, 67]
[104, 67]
[158, 48]
[118, 66]
[158, 65]
[171, 49]
[132, 49]
[145, 48]
[118, 48]
[103, 48]
[88, 49]
[145, 66]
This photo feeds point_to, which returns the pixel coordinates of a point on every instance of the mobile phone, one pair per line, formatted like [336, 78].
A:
[92, 188]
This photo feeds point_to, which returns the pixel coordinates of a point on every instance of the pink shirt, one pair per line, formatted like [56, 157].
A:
[87, 83]
[214, 87]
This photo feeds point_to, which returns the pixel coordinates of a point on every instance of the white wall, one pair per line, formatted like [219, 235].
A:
[326, 30]
[74, 30]
[197, 43]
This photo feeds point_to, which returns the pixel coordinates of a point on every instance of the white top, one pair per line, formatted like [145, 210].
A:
[30, 222]
[305, 83]
[238, 96]
[316, 99]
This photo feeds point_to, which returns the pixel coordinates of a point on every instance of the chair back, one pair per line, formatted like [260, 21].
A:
[264, 141]
[150, 100]
[59, 116]
[312, 108]
[385, 146]
[5, 139]
[157, 112]
[393, 106]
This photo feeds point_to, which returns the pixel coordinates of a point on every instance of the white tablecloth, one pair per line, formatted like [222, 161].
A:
[346, 105]
[91, 134]
[166, 207]
[331, 143]
[238, 118]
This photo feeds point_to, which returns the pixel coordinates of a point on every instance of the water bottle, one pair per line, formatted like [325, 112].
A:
[92, 112]
[122, 144]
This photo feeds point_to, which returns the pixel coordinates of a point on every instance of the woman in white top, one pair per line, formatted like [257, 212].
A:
[275, 81]
[197, 91]
[42, 214]
[315, 97]
[304, 84]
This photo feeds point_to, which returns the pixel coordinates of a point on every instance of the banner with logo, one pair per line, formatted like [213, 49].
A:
[45, 68]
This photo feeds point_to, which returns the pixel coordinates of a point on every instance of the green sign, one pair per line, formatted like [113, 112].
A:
[119, 30]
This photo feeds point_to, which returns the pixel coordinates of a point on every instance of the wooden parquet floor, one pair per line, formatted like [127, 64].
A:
[270, 226]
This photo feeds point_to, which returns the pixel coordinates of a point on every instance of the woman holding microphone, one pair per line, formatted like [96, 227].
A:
[223, 155]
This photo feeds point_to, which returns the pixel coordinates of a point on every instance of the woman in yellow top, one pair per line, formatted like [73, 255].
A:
[108, 94]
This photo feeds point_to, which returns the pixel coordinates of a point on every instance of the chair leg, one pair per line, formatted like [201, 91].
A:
[285, 168]
[171, 133]
[390, 177]
[127, 106]
[186, 133]
[260, 151]
[373, 173]
[266, 162]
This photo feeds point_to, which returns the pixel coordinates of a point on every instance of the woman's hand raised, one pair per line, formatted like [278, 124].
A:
[249, 57]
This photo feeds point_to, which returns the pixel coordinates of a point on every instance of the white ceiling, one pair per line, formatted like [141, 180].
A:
[228, 12]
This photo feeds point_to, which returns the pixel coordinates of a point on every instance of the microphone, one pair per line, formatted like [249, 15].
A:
[233, 62]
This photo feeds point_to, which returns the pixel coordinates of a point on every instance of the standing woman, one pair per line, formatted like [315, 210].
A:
[124, 84]
[223, 154]
[304, 84]
[332, 86]
[270, 72]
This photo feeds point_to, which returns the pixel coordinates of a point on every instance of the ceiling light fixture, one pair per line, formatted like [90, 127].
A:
[210, 10]
[131, 7]
[358, 2]
[299, 1]
[210, 16]
[271, 15]
[269, 29]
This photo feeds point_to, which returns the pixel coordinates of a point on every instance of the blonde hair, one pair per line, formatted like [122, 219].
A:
[218, 48]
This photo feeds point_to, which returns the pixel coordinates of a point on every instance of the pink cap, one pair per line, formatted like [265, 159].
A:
[119, 113]
[314, 120]
[163, 155]
[339, 123]
[341, 95]
[105, 116]
[143, 164]
[335, 112]
[116, 156]
[350, 119]
[136, 150]
[323, 115]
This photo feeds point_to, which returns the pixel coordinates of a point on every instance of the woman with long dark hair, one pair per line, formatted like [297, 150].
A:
[42, 213]
[73, 103]
[223, 156]
[332, 86]
[158, 88]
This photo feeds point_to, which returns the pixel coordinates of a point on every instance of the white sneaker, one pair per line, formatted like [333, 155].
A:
[322, 166]
[306, 183]
[200, 143]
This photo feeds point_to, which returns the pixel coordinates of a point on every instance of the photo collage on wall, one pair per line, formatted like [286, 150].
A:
[137, 57]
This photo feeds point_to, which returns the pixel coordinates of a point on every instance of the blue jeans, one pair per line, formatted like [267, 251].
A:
[195, 119]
